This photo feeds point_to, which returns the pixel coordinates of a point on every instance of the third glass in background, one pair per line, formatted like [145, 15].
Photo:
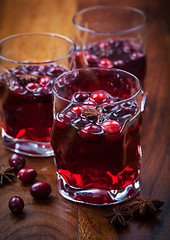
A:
[111, 36]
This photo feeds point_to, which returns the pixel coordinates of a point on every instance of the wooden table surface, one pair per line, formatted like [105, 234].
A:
[57, 218]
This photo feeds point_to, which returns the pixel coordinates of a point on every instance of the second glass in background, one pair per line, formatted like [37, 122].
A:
[112, 36]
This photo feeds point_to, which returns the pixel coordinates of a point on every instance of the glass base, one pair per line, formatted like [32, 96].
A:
[26, 146]
[98, 197]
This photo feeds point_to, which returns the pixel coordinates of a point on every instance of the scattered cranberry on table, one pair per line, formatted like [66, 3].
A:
[17, 161]
[16, 204]
[27, 175]
[40, 190]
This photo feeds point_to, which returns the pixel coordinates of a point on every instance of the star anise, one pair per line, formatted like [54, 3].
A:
[119, 215]
[26, 78]
[145, 206]
[6, 175]
[97, 113]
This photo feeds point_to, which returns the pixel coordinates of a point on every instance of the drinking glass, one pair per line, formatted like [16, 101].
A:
[29, 63]
[111, 36]
[97, 114]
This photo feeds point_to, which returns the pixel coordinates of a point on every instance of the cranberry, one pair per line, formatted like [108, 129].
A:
[16, 204]
[40, 190]
[44, 80]
[27, 175]
[92, 59]
[77, 109]
[118, 63]
[19, 71]
[17, 161]
[111, 126]
[31, 86]
[18, 89]
[103, 45]
[105, 62]
[99, 96]
[43, 69]
[136, 55]
[90, 132]
[56, 70]
[43, 90]
[80, 96]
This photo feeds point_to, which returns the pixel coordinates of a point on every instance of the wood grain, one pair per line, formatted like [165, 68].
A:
[57, 218]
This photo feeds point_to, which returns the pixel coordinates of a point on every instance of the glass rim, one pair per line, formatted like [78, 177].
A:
[96, 68]
[38, 34]
[120, 32]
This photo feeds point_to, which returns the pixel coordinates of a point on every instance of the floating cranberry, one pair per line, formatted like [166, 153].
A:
[80, 96]
[18, 89]
[99, 96]
[27, 175]
[16, 204]
[45, 80]
[90, 132]
[31, 86]
[92, 59]
[103, 45]
[40, 190]
[105, 62]
[111, 126]
[77, 109]
[136, 55]
[17, 161]
[118, 63]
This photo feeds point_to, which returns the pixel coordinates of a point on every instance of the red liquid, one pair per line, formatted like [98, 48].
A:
[97, 160]
[123, 54]
[27, 112]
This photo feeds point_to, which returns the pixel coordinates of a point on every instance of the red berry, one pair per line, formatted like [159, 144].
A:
[111, 126]
[99, 96]
[80, 96]
[118, 63]
[40, 190]
[77, 109]
[105, 62]
[44, 80]
[16, 204]
[27, 175]
[90, 132]
[17, 161]
[92, 59]
[31, 86]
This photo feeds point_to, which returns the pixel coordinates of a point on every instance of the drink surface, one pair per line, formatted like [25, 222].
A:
[119, 53]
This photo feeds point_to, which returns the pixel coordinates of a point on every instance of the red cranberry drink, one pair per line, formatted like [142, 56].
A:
[96, 135]
[30, 63]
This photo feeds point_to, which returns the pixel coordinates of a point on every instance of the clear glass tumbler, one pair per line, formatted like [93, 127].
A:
[111, 36]
[29, 63]
[97, 114]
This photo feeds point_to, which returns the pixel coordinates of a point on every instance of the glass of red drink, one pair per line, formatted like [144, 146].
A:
[111, 36]
[96, 135]
[29, 64]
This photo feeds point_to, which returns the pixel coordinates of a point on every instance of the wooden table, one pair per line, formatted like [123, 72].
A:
[57, 218]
